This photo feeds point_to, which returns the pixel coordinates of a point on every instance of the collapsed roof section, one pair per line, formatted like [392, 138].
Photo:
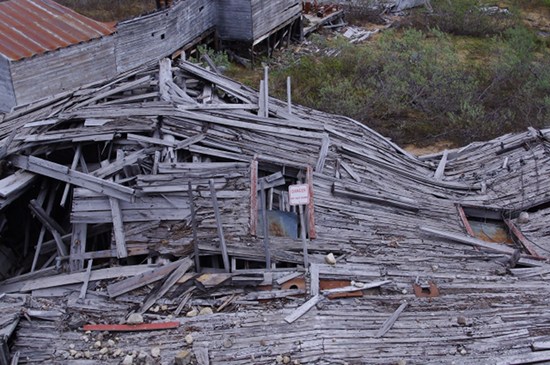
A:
[180, 163]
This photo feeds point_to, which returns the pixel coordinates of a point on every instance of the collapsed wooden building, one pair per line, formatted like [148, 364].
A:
[71, 50]
[164, 193]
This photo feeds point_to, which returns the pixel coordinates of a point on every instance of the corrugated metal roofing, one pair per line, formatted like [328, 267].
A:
[31, 27]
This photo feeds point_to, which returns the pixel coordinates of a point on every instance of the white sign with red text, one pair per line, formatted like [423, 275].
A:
[298, 194]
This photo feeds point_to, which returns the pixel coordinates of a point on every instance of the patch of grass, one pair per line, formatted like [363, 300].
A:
[110, 10]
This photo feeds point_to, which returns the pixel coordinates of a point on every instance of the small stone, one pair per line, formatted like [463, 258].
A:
[183, 358]
[88, 354]
[357, 284]
[85, 338]
[404, 291]
[192, 313]
[463, 351]
[78, 355]
[135, 318]
[97, 344]
[110, 343]
[263, 342]
[296, 362]
[142, 355]
[104, 350]
[279, 359]
[189, 339]
[402, 362]
[99, 337]
[286, 359]
[117, 353]
[128, 360]
[155, 309]
[330, 259]
[461, 320]
[205, 311]
[71, 346]
[227, 343]
[163, 307]
[73, 352]
[523, 217]
[155, 351]
[435, 268]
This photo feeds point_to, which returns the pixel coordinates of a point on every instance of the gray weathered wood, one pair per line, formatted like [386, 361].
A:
[219, 226]
[303, 309]
[390, 321]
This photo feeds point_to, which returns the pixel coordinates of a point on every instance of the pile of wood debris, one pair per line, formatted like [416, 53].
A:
[147, 220]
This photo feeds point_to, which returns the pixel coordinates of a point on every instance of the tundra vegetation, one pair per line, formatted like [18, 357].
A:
[465, 71]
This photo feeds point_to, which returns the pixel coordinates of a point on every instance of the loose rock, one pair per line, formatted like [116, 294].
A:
[135, 318]
[330, 259]
[192, 313]
[183, 358]
[155, 352]
[189, 339]
[206, 310]
[128, 360]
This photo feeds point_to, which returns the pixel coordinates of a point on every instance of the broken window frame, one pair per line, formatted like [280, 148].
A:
[254, 188]
[498, 214]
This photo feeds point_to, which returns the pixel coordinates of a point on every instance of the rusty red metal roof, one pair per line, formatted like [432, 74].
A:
[31, 27]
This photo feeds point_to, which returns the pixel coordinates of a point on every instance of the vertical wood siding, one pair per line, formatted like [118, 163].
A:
[63, 70]
[234, 21]
[159, 34]
[7, 96]
[269, 14]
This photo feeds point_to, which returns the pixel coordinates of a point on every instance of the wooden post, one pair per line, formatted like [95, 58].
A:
[266, 91]
[118, 228]
[49, 207]
[265, 227]
[289, 95]
[194, 227]
[78, 246]
[74, 164]
[84, 287]
[311, 205]
[253, 196]
[303, 234]
[225, 257]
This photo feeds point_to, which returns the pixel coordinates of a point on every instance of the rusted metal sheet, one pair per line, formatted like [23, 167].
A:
[131, 327]
[431, 291]
[31, 27]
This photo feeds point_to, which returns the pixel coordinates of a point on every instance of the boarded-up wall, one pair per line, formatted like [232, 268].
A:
[63, 70]
[269, 14]
[7, 97]
[234, 20]
[159, 34]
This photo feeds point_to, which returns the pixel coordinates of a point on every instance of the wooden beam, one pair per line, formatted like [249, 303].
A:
[440, 172]
[265, 226]
[78, 246]
[84, 288]
[118, 228]
[390, 321]
[221, 237]
[522, 239]
[50, 225]
[322, 154]
[140, 280]
[63, 173]
[74, 164]
[193, 219]
[253, 196]
[464, 220]
[311, 205]
[303, 309]
[184, 265]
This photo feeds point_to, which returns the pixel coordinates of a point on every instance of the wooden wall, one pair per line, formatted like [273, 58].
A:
[269, 14]
[234, 20]
[161, 33]
[62, 70]
[7, 96]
